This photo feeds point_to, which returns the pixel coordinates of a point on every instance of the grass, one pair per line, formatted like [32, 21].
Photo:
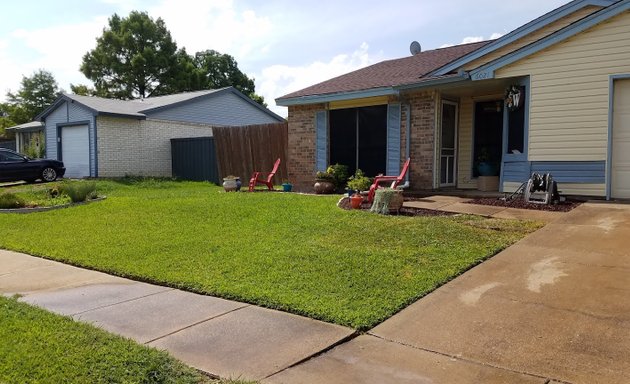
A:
[41, 347]
[286, 251]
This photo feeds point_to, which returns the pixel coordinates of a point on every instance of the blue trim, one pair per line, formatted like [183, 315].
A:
[611, 100]
[392, 156]
[341, 96]
[585, 172]
[520, 32]
[433, 82]
[321, 140]
[95, 148]
[487, 71]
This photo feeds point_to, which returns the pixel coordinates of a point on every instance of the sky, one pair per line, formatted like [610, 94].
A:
[284, 45]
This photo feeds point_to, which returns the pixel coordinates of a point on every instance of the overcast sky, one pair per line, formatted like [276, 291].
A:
[284, 45]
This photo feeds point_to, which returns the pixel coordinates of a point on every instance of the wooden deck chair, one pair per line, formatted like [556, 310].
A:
[268, 182]
[396, 180]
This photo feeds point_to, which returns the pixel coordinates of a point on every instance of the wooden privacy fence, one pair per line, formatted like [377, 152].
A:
[243, 150]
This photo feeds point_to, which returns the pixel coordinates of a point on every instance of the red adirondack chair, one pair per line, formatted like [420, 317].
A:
[396, 180]
[268, 182]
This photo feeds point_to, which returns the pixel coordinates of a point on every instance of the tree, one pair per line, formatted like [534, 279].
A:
[216, 70]
[135, 57]
[35, 93]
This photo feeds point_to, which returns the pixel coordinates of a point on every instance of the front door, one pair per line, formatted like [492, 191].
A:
[448, 144]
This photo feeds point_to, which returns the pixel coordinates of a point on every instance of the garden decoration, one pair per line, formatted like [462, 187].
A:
[387, 200]
[268, 181]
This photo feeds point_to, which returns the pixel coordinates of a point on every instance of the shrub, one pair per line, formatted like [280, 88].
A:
[339, 173]
[11, 201]
[359, 182]
[79, 191]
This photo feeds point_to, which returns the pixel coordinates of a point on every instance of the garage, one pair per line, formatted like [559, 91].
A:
[620, 167]
[75, 152]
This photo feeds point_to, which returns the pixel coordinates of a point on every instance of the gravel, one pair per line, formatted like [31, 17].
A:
[563, 206]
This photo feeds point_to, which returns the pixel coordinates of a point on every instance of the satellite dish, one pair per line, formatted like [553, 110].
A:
[415, 48]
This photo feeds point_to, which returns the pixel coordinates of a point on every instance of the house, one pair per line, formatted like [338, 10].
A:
[98, 137]
[29, 138]
[448, 109]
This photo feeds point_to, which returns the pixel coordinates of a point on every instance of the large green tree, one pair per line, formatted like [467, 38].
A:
[135, 57]
[36, 92]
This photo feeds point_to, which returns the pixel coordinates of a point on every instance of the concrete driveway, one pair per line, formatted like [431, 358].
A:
[554, 307]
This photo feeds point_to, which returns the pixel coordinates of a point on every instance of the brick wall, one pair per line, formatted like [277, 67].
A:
[140, 147]
[422, 139]
[301, 148]
[302, 135]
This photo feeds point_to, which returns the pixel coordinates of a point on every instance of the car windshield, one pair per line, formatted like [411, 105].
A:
[12, 156]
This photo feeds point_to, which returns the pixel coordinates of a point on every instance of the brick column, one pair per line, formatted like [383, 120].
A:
[301, 151]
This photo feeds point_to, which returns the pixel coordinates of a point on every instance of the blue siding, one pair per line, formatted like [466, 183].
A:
[78, 113]
[223, 109]
[588, 172]
[516, 171]
[592, 172]
[393, 139]
[321, 131]
[68, 113]
[58, 116]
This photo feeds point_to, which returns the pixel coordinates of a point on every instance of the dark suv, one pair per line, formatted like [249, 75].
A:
[15, 167]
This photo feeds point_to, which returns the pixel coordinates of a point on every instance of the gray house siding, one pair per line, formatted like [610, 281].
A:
[223, 109]
[68, 113]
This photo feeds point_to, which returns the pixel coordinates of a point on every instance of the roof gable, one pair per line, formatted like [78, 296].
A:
[487, 71]
[140, 108]
[520, 32]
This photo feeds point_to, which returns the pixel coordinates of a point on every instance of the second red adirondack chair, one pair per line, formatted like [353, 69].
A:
[396, 180]
[268, 181]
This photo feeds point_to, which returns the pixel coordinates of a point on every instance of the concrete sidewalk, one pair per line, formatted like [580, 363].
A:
[553, 308]
[221, 337]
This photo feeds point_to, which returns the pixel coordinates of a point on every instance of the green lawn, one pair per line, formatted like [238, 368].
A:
[41, 347]
[287, 251]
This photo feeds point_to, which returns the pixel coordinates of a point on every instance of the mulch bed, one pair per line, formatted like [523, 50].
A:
[563, 206]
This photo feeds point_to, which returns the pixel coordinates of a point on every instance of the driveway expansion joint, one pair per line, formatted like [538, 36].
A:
[461, 358]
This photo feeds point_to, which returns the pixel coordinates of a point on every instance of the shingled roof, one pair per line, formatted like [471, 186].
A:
[390, 73]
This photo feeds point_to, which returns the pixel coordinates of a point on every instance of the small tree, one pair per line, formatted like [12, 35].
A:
[36, 93]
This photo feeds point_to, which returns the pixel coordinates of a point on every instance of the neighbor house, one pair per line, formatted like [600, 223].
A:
[449, 109]
[98, 137]
[29, 138]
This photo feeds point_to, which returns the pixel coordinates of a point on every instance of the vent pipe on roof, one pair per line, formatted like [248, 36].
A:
[415, 48]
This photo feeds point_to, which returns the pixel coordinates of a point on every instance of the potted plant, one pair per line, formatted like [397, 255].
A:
[387, 200]
[485, 166]
[340, 175]
[286, 186]
[356, 184]
[324, 183]
[231, 183]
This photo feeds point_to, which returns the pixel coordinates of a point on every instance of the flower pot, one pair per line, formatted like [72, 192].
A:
[355, 201]
[486, 169]
[230, 185]
[238, 184]
[324, 187]
[286, 187]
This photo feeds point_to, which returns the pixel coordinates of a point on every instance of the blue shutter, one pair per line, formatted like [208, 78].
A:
[321, 151]
[393, 139]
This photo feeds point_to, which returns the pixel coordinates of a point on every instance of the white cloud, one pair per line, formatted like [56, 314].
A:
[496, 35]
[472, 39]
[215, 24]
[279, 80]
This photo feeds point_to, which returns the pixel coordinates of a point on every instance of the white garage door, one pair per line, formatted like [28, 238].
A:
[75, 151]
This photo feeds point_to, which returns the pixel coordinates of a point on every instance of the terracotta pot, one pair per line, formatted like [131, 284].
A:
[230, 185]
[324, 187]
[356, 201]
